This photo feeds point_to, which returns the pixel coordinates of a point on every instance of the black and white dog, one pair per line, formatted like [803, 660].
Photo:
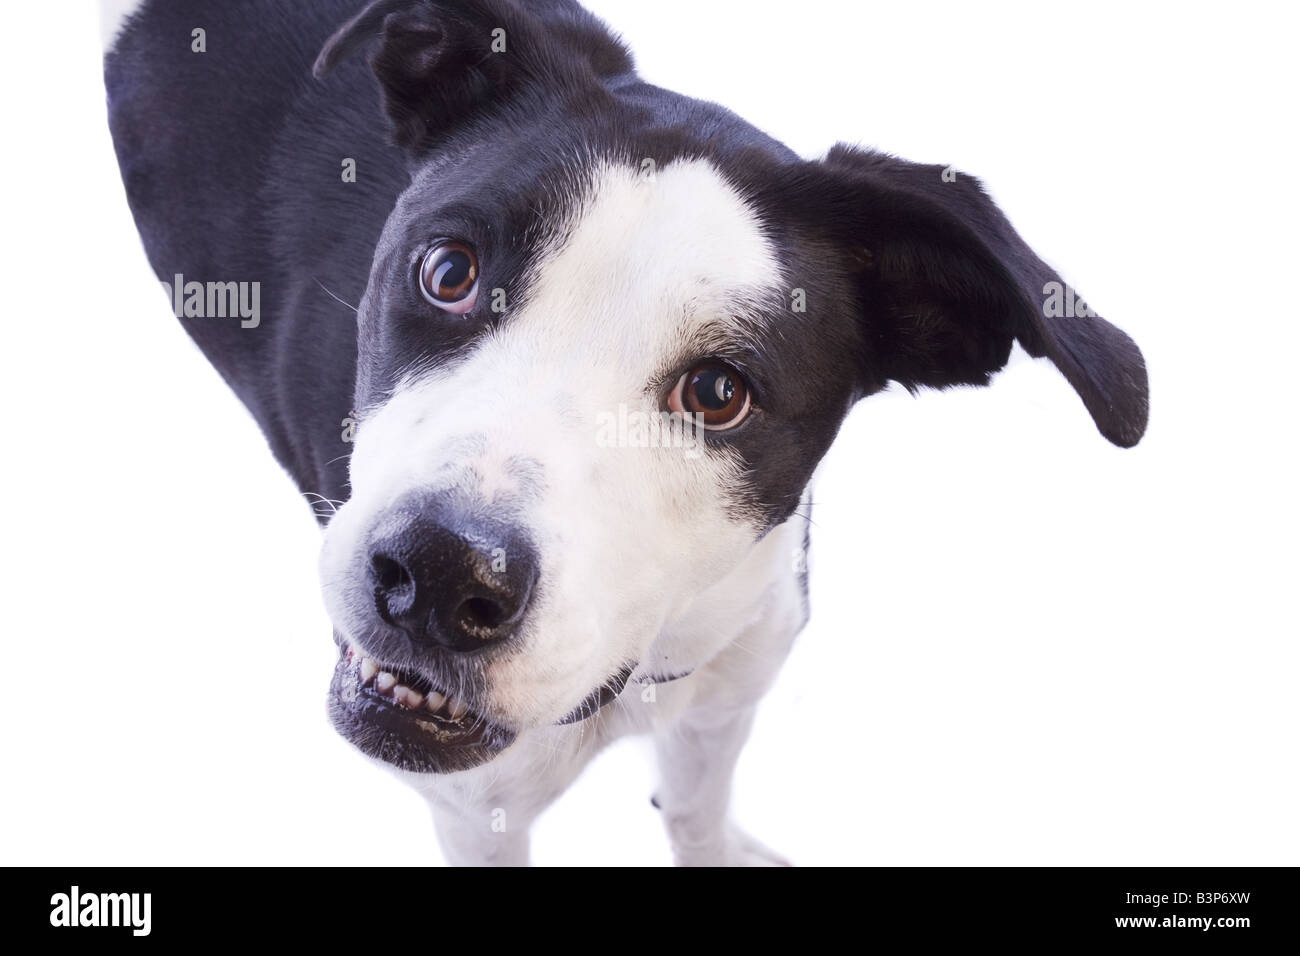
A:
[603, 336]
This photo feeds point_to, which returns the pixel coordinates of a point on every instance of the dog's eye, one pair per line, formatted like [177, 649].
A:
[449, 276]
[714, 391]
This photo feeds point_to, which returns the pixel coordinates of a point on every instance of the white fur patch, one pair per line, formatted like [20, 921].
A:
[645, 278]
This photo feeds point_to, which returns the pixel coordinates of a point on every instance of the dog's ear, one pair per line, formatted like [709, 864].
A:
[945, 285]
[441, 62]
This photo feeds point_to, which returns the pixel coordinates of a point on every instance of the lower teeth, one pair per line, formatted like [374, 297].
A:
[405, 697]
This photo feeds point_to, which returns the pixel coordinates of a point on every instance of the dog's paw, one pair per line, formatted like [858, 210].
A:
[736, 848]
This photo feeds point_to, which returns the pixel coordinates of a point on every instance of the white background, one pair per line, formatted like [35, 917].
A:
[1027, 646]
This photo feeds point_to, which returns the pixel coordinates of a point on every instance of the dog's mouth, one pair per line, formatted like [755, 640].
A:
[397, 715]
[400, 717]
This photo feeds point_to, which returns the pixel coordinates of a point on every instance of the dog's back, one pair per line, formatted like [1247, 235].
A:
[232, 156]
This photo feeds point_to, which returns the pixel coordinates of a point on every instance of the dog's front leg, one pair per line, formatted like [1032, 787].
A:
[476, 834]
[484, 816]
[697, 755]
[699, 744]
[698, 749]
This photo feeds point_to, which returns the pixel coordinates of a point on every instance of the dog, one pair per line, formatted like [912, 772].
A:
[565, 350]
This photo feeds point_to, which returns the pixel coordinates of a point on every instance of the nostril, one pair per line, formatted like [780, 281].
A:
[394, 587]
[389, 574]
[477, 613]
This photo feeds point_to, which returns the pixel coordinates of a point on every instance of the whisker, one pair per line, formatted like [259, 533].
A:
[334, 297]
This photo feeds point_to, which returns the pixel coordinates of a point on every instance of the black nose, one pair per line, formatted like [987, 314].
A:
[449, 578]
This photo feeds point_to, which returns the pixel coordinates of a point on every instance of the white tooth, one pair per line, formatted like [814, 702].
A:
[400, 692]
[455, 708]
[385, 682]
[368, 670]
[433, 703]
[414, 699]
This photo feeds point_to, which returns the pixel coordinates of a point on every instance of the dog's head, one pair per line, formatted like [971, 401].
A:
[609, 333]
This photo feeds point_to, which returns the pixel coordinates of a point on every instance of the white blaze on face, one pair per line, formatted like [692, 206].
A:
[637, 285]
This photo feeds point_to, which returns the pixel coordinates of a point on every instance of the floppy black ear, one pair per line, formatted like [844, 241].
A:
[946, 284]
[441, 62]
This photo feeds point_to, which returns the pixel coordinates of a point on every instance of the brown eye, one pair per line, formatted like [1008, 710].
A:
[449, 276]
[714, 391]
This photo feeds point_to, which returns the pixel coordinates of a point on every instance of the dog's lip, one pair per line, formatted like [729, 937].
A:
[412, 739]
